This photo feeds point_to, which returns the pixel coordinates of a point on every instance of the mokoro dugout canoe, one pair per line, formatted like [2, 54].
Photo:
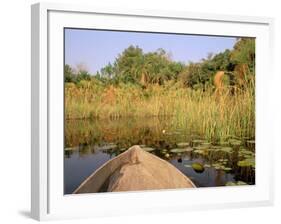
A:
[134, 170]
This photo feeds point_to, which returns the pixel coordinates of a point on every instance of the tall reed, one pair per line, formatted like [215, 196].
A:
[213, 116]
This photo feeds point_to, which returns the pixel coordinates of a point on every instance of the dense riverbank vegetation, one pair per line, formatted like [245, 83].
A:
[143, 85]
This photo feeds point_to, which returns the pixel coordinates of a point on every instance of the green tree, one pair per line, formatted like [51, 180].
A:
[134, 66]
[128, 65]
[68, 74]
[83, 75]
[244, 52]
[193, 75]
[108, 71]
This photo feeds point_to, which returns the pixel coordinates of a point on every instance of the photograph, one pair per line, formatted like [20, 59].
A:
[150, 111]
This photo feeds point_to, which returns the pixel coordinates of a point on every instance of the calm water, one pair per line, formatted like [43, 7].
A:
[89, 144]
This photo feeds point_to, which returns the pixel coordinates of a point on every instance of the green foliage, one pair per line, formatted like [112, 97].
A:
[68, 74]
[200, 75]
[83, 75]
[233, 115]
[194, 76]
[107, 71]
[139, 68]
[128, 65]
[221, 61]
[244, 52]
[135, 66]
[139, 84]
[71, 76]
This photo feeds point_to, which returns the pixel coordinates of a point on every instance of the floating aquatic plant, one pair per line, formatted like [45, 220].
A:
[167, 155]
[197, 141]
[221, 165]
[198, 167]
[251, 141]
[248, 162]
[108, 147]
[148, 149]
[201, 152]
[238, 183]
[202, 147]
[206, 144]
[224, 143]
[71, 148]
[224, 149]
[246, 153]
[223, 160]
[235, 142]
[179, 150]
[182, 144]
[217, 166]
[227, 169]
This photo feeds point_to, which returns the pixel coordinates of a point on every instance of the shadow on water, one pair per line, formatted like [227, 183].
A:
[90, 143]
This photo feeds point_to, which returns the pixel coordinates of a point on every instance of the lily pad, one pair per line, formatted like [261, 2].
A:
[238, 183]
[179, 150]
[188, 149]
[198, 167]
[241, 183]
[224, 149]
[215, 147]
[108, 147]
[148, 149]
[167, 155]
[235, 142]
[223, 160]
[205, 144]
[71, 148]
[246, 153]
[246, 138]
[223, 143]
[218, 167]
[197, 141]
[202, 147]
[201, 151]
[246, 162]
[230, 183]
[227, 168]
[182, 144]
[251, 141]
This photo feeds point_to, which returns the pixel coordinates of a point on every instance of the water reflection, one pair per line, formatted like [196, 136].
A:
[89, 144]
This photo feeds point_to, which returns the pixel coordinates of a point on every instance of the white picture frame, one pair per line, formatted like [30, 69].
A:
[48, 200]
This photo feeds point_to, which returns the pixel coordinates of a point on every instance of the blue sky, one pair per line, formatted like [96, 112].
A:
[96, 48]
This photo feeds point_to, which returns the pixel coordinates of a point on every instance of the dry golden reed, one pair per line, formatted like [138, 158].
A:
[212, 116]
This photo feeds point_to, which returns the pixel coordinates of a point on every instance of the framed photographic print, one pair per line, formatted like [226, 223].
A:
[148, 111]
